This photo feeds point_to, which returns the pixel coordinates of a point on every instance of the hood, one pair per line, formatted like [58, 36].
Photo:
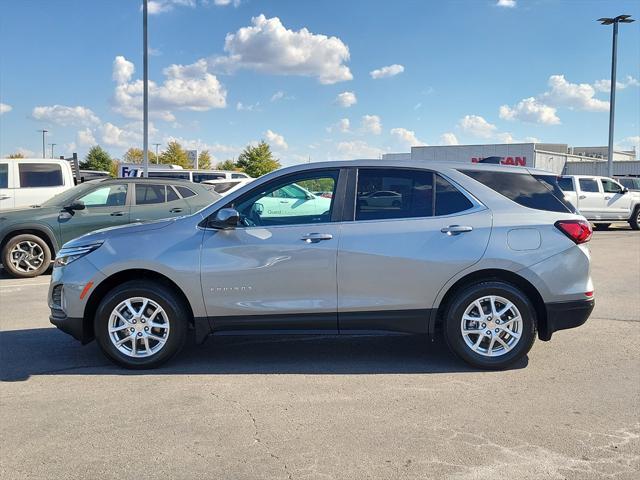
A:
[27, 214]
[105, 233]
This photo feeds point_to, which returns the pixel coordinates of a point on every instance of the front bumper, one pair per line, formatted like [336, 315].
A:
[72, 326]
[564, 315]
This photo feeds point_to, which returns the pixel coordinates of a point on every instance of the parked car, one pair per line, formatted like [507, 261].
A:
[28, 181]
[602, 200]
[630, 183]
[382, 198]
[492, 256]
[30, 238]
[161, 171]
[227, 186]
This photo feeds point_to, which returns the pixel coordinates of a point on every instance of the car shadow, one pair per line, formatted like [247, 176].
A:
[47, 351]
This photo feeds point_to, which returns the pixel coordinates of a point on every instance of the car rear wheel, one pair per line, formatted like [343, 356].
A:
[140, 324]
[490, 325]
[635, 218]
[26, 256]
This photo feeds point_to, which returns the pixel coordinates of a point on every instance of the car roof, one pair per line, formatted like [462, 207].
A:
[164, 181]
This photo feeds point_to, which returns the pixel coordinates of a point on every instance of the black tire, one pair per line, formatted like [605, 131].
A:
[464, 298]
[601, 226]
[21, 238]
[634, 221]
[163, 296]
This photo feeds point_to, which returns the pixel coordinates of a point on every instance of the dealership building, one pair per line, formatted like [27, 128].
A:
[555, 157]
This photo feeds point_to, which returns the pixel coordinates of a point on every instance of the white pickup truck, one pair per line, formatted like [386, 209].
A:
[602, 200]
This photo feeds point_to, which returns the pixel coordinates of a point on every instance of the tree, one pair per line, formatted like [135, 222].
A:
[136, 155]
[175, 155]
[257, 161]
[204, 160]
[227, 165]
[97, 159]
[16, 155]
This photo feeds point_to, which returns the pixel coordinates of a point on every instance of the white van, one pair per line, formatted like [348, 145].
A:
[30, 181]
[162, 171]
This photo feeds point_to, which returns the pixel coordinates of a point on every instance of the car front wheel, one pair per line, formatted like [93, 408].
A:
[634, 222]
[490, 325]
[140, 324]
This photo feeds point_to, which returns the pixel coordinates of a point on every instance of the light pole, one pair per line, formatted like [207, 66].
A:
[612, 100]
[145, 91]
[52, 145]
[44, 132]
[157, 145]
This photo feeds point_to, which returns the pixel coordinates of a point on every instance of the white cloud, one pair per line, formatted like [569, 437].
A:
[86, 137]
[448, 138]
[506, 3]
[5, 108]
[388, 71]
[343, 125]
[123, 70]
[358, 149]
[371, 124]
[186, 87]
[66, 116]
[346, 99]
[605, 85]
[247, 107]
[268, 47]
[276, 139]
[530, 110]
[156, 7]
[572, 95]
[114, 136]
[406, 137]
[477, 126]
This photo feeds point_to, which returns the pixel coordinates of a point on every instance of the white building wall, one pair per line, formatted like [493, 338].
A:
[511, 153]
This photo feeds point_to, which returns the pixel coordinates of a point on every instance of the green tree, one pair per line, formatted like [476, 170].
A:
[227, 165]
[257, 161]
[136, 155]
[97, 159]
[15, 155]
[204, 160]
[175, 155]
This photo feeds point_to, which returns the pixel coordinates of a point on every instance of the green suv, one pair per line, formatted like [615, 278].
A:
[30, 237]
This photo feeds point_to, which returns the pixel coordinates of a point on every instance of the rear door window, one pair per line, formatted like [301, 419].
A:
[184, 191]
[148, 194]
[449, 199]
[40, 175]
[523, 188]
[588, 185]
[172, 195]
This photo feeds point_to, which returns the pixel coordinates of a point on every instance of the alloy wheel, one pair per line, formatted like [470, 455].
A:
[26, 256]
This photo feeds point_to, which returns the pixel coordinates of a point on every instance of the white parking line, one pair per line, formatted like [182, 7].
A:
[23, 285]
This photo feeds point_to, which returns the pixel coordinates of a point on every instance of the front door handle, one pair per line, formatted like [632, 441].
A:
[607, 198]
[175, 210]
[4, 197]
[118, 214]
[456, 229]
[582, 197]
[316, 237]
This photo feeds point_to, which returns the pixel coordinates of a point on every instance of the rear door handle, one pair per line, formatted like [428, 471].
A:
[582, 197]
[118, 214]
[607, 198]
[4, 197]
[316, 237]
[175, 210]
[456, 229]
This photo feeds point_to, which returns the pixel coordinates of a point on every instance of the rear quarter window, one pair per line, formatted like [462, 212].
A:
[524, 189]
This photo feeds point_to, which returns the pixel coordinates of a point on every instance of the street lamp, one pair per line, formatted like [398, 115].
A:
[145, 90]
[44, 132]
[157, 145]
[612, 100]
[52, 145]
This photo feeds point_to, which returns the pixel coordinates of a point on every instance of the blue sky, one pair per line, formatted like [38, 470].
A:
[316, 79]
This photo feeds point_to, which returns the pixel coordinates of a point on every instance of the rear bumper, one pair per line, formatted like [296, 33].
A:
[564, 315]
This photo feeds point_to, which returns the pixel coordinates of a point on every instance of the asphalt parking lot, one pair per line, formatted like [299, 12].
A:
[298, 408]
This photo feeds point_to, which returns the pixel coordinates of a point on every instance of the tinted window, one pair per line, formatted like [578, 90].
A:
[239, 175]
[406, 194]
[610, 186]
[184, 191]
[201, 177]
[107, 196]
[523, 189]
[40, 175]
[4, 175]
[224, 186]
[147, 194]
[171, 174]
[566, 184]
[588, 185]
[449, 199]
[289, 201]
[171, 194]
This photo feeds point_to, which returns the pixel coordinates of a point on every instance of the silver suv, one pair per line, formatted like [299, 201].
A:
[491, 256]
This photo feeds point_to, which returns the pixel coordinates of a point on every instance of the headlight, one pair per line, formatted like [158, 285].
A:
[71, 254]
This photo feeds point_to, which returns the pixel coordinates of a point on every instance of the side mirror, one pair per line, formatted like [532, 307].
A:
[75, 205]
[624, 190]
[225, 219]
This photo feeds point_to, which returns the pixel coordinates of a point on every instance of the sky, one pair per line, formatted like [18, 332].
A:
[317, 80]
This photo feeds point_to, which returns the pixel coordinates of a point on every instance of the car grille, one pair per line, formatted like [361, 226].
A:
[56, 297]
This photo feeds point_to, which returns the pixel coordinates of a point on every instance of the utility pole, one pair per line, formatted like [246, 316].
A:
[52, 145]
[157, 145]
[145, 92]
[612, 100]
[44, 132]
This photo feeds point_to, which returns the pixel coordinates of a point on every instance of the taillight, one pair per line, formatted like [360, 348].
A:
[577, 230]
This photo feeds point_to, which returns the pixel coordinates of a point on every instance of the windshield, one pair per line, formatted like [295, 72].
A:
[65, 197]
